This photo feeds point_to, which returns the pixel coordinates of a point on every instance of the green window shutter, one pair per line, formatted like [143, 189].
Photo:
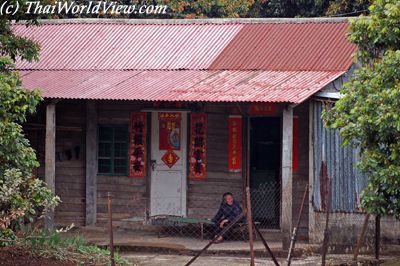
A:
[113, 150]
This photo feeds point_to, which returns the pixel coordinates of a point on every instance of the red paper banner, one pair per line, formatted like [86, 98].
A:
[263, 109]
[235, 143]
[198, 146]
[138, 145]
[170, 158]
[169, 131]
[295, 155]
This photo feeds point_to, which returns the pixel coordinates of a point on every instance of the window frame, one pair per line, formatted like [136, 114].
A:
[112, 157]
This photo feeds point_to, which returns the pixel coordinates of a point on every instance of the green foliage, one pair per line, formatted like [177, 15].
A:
[15, 46]
[350, 8]
[74, 249]
[57, 246]
[223, 9]
[368, 114]
[7, 237]
[210, 8]
[22, 197]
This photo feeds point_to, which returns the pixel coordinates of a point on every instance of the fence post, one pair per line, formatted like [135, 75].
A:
[110, 228]
[294, 234]
[230, 225]
[250, 225]
[361, 239]
[377, 235]
[326, 231]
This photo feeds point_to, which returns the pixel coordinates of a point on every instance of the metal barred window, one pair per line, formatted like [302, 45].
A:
[113, 149]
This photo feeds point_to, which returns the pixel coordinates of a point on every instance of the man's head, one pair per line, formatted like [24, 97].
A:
[228, 198]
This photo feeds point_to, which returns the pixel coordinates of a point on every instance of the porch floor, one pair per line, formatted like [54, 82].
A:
[129, 240]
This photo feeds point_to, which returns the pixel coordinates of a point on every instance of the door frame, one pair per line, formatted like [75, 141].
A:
[184, 149]
[250, 148]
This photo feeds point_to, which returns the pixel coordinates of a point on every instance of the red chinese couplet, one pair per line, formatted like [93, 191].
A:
[235, 143]
[198, 146]
[137, 145]
[295, 154]
[169, 131]
[263, 109]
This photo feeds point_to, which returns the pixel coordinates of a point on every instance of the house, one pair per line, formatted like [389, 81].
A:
[170, 114]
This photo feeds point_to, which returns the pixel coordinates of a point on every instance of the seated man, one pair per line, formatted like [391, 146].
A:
[227, 212]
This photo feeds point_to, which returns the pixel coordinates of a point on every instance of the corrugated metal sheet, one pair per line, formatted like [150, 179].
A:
[121, 46]
[347, 182]
[288, 47]
[180, 85]
[309, 46]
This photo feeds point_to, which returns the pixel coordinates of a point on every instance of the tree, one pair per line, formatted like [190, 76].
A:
[347, 8]
[368, 114]
[22, 197]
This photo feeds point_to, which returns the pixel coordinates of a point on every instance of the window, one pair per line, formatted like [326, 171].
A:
[113, 150]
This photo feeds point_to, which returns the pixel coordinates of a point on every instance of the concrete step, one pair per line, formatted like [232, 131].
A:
[271, 235]
[134, 224]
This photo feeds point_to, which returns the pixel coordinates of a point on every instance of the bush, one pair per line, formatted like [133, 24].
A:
[22, 197]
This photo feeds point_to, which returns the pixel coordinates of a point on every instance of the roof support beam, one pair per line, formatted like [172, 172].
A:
[287, 177]
[50, 158]
[91, 162]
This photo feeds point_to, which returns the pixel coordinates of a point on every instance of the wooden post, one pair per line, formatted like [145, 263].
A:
[325, 242]
[224, 230]
[110, 228]
[361, 238]
[50, 158]
[377, 235]
[250, 225]
[265, 245]
[287, 179]
[91, 162]
[294, 234]
[311, 214]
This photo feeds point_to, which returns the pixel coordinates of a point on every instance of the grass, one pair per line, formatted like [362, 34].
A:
[73, 249]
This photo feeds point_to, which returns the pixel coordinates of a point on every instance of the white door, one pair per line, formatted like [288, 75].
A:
[168, 166]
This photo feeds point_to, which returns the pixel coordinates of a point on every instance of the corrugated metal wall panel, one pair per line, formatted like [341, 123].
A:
[347, 182]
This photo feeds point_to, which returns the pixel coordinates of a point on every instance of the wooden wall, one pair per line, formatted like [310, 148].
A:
[204, 197]
[70, 172]
[131, 195]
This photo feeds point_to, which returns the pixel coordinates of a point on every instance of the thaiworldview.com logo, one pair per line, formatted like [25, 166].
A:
[76, 8]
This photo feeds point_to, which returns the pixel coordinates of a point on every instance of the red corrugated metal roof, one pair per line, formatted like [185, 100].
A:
[187, 61]
[308, 46]
[184, 85]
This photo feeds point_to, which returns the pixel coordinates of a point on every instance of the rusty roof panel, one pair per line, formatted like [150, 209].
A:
[288, 47]
[180, 85]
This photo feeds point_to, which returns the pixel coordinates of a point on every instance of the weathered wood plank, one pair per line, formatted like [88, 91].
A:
[50, 151]
[91, 162]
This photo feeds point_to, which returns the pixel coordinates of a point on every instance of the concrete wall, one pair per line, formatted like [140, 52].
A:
[345, 229]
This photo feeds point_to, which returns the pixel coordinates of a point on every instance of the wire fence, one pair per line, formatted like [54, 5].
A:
[266, 211]
[265, 202]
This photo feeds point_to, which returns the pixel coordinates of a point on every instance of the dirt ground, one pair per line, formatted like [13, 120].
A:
[176, 260]
[19, 256]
